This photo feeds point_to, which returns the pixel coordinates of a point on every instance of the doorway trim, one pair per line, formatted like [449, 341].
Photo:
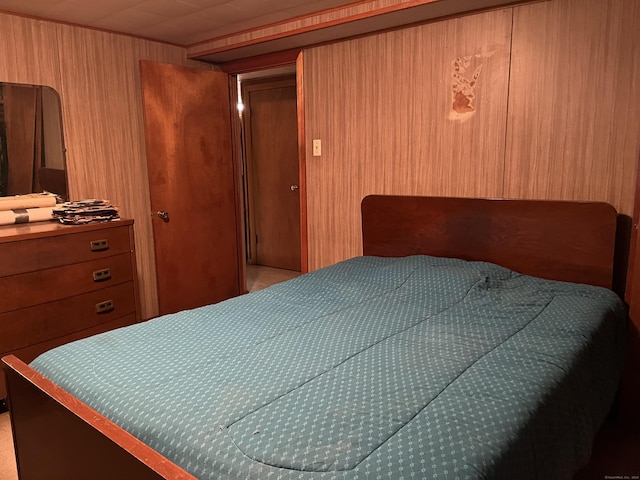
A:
[302, 165]
[253, 214]
[274, 62]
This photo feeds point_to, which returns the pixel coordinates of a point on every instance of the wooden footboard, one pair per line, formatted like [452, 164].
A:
[56, 436]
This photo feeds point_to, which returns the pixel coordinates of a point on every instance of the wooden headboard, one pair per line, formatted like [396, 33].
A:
[558, 240]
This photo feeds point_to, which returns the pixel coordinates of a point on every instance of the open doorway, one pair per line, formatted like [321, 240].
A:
[270, 166]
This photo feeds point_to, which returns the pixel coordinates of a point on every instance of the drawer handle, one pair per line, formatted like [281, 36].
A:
[102, 275]
[99, 245]
[104, 307]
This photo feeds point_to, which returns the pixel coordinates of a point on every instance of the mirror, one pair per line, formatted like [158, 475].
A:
[32, 154]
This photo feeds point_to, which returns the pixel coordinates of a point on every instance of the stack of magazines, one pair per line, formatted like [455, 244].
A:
[85, 211]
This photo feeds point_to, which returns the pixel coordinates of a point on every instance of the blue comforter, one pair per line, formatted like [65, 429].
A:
[415, 367]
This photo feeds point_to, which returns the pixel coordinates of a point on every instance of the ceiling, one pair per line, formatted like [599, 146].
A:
[180, 22]
[195, 24]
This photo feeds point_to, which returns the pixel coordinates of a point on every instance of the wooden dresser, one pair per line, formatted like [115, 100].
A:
[59, 283]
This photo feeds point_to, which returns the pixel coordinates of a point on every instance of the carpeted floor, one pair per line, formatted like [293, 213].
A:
[7, 459]
[259, 276]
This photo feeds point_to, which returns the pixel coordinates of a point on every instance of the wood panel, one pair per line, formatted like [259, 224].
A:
[28, 51]
[97, 77]
[396, 86]
[376, 102]
[557, 240]
[383, 108]
[573, 124]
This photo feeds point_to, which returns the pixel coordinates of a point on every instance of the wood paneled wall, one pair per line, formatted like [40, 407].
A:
[383, 108]
[573, 125]
[554, 115]
[97, 77]
[534, 101]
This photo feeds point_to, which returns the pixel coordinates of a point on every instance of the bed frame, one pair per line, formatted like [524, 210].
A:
[568, 241]
[57, 436]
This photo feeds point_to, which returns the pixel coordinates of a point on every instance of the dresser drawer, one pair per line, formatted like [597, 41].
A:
[60, 283]
[62, 247]
[29, 326]
[29, 353]
[35, 288]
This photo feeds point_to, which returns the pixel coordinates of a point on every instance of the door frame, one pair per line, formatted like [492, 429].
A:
[248, 87]
[263, 63]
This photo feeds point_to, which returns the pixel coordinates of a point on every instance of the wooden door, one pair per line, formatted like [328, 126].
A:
[271, 128]
[192, 178]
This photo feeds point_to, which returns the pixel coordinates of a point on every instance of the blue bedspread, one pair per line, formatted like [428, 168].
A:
[415, 367]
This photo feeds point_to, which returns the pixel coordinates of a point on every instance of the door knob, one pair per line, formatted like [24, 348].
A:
[294, 188]
[164, 216]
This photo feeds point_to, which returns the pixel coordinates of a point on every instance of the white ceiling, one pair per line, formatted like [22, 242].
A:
[181, 22]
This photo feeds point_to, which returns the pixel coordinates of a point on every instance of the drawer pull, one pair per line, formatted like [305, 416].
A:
[99, 245]
[104, 307]
[102, 275]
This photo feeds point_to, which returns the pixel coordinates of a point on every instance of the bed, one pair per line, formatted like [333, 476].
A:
[475, 338]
